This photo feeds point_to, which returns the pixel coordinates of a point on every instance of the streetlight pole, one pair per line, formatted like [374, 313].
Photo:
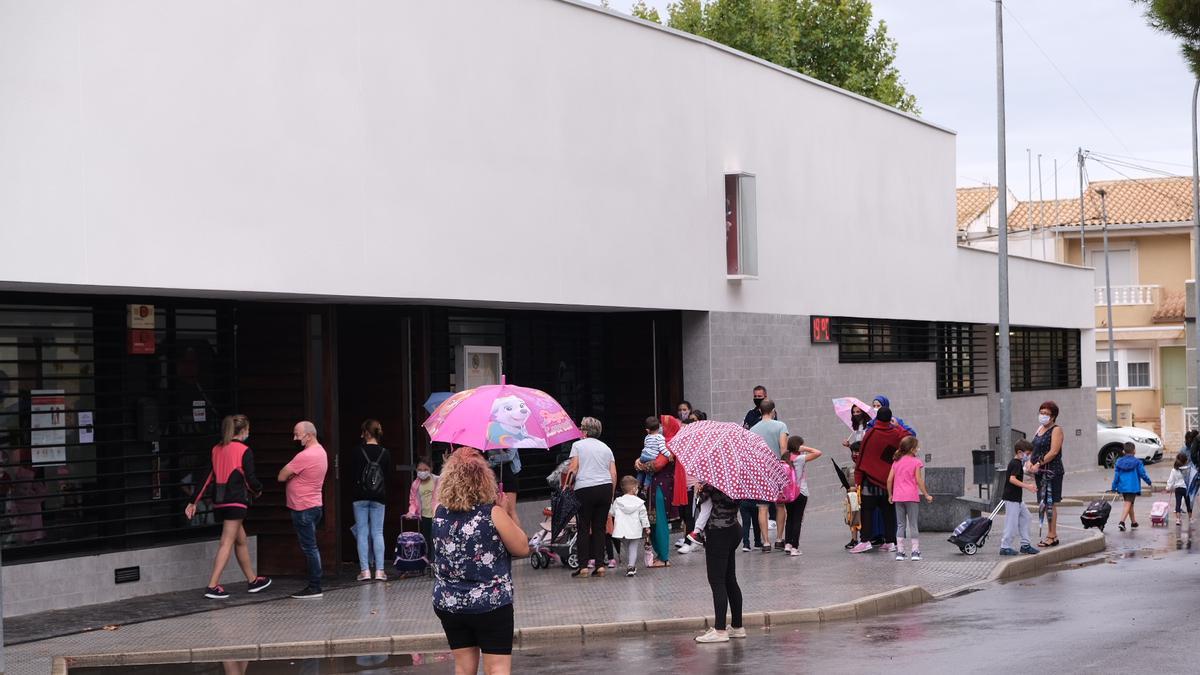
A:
[1004, 452]
[1196, 243]
[1112, 361]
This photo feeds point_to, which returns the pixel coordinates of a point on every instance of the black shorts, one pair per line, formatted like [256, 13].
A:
[491, 632]
[506, 478]
[224, 513]
[1055, 487]
[1130, 496]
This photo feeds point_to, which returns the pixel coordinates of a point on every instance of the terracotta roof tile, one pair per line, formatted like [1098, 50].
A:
[1047, 213]
[973, 202]
[1171, 307]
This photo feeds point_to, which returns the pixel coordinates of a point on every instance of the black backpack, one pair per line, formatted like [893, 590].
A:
[371, 483]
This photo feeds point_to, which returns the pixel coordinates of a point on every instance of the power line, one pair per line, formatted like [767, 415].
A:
[1064, 77]
[1140, 159]
[1142, 182]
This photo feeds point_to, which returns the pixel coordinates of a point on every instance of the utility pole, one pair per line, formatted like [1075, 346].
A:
[1196, 239]
[1004, 452]
[1057, 217]
[1082, 232]
[1041, 207]
[1029, 204]
[1112, 360]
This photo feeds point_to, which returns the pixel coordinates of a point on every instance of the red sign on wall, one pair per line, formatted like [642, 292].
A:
[820, 329]
[141, 341]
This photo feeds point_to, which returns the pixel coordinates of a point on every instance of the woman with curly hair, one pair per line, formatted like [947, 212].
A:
[474, 541]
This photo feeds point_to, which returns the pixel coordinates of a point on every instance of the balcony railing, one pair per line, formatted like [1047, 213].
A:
[1127, 295]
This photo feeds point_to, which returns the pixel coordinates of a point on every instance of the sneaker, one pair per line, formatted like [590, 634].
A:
[308, 593]
[216, 593]
[1029, 550]
[900, 555]
[631, 572]
[713, 635]
[681, 542]
[779, 546]
[258, 584]
[794, 552]
[889, 547]
[852, 544]
[686, 548]
[862, 547]
[916, 555]
[1121, 526]
[380, 575]
[612, 563]
[766, 548]
[364, 575]
[693, 538]
[737, 633]
[1009, 551]
[745, 548]
[1133, 524]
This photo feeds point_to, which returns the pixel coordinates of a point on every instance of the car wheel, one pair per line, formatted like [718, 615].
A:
[1109, 455]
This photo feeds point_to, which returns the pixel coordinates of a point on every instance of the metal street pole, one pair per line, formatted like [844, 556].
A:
[1112, 361]
[1004, 452]
[1196, 240]
[1029, 203]
[1041, 207]
[1082, 232]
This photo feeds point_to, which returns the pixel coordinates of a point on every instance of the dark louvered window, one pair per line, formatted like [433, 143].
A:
[961, 359]
[1045, 358]
[883, 340]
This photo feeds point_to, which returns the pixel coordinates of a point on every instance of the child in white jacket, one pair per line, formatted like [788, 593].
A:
[1177, 483]
[630, 522]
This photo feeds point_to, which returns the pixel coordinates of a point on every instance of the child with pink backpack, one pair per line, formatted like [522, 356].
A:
[798, 455]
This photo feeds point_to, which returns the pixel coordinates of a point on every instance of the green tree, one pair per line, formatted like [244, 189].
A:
[643, 11]
[835, 41]
[1180, 18]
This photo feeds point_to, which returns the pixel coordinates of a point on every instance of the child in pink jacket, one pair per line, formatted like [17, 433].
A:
[423, 498]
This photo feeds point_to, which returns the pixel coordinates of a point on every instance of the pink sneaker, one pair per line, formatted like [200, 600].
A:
[862, 547]
[890, 548]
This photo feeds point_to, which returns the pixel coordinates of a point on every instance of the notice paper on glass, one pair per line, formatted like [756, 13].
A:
[87, 432]
[48, 426]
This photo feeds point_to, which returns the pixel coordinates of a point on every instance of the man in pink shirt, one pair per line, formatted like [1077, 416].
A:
[304, 477]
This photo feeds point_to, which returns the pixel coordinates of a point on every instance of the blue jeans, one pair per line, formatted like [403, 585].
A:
[749, 512]
[305, 523]
[368, 531]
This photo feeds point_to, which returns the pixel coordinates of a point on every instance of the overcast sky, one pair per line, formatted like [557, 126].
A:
[1134, 91]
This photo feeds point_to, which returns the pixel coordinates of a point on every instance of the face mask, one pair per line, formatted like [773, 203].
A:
[1043, 419]
[423, 475]
[757, 401]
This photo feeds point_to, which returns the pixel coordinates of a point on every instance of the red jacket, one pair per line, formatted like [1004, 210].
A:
[878, 448]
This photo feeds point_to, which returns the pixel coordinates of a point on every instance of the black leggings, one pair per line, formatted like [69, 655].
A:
[720, 556]
[593, 512]
[688, 513]
[1182, 496]
[872, 502]
[795, 518]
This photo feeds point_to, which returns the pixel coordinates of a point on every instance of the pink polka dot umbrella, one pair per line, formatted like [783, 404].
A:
[731, 459]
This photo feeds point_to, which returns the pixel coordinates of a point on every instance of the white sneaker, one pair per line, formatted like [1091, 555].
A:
[900, 555]
[737, 633]
[795, 552]
[364, 575]
[787, 548]
[686, 548]
[889, 547]
[680, 542]
[713, 635]
[916, 555]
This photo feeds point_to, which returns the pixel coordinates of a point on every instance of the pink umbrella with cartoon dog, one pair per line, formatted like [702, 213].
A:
[501, 417]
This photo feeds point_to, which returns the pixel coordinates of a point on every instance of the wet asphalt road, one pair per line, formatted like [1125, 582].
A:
[1133, 609]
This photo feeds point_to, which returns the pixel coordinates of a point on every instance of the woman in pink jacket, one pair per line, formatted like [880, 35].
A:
[423, 498]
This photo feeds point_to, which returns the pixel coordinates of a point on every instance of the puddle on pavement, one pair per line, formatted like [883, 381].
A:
[378, 664]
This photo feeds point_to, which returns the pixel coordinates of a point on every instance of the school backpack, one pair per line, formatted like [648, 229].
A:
[792, 490]
[411, 554]
[371, 481]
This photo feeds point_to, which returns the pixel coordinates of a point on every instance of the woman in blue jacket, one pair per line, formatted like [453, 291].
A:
[1127, 473]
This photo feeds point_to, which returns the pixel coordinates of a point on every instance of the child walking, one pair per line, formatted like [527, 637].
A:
[630, 522]
[1178, 483]
[1126, 473]
[905, 485]
[653, 446]
[1016, 516]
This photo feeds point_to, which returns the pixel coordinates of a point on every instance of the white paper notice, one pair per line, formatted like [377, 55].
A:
[48, 426]
[87, 433]
[199, 411]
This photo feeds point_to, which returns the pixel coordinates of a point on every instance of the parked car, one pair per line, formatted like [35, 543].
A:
[1112, 443]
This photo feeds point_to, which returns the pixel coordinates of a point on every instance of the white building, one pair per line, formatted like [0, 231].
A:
[325, 201]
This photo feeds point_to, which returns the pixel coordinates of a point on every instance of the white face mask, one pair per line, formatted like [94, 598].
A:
[1043, 419]
[423, 475]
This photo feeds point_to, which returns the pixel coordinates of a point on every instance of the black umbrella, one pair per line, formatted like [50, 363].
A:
[563, 507]
[841, 475]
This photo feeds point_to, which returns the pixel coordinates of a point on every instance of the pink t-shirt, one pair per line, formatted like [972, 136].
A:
[304, 489]
[904, 483]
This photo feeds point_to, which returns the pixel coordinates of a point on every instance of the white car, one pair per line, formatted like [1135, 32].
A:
[1111, 441]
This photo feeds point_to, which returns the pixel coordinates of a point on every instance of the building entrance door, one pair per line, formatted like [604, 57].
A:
[1174, 375]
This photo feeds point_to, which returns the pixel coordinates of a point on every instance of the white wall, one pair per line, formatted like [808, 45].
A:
[531, 151]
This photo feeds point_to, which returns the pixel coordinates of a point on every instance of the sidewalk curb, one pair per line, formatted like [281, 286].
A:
[1027, 564]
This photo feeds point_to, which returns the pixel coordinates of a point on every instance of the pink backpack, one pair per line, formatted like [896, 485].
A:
[792, 489]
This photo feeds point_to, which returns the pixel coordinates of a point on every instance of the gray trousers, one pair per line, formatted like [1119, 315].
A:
[1016, 523]
[632, 549]
[906, 520]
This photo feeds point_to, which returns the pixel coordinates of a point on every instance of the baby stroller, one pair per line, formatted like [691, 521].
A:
[556, 541]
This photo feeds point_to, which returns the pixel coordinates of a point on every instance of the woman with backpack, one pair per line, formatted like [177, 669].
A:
[370, 462]
[799, 455]
[233, 486]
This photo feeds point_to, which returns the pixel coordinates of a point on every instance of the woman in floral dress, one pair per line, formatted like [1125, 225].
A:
[474, 541]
